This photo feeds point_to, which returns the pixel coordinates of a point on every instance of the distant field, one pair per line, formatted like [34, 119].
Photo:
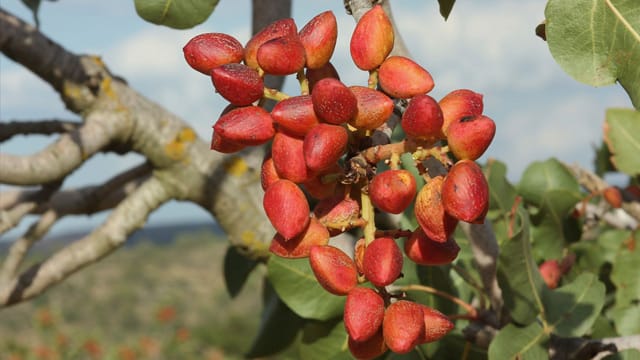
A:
[146, 301]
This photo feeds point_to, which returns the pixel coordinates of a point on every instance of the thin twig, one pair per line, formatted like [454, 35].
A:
[472, 313]
[8, 129]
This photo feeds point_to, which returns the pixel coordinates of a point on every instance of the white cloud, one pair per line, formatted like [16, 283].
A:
[481, 45]
[566, 129]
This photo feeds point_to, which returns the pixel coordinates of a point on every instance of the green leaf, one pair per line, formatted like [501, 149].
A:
[324, 340]
[279, 326]
[626, 319]
[455, 346]
[518, 274]
[502, 194]
[592, 256]
[622, 135]
[513, 342]
[602, 328]
[625, 275]
[438, 278]
[412, 355]
[237, 269]
[177, 14]
[597, 42]
[445, 7]
[543, 176]
[297, 286]
[602, 161]
[573, 308]
[552, 227]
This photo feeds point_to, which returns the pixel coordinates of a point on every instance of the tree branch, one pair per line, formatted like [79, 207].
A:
[595, 185]
[88, 200]
[127, 217]
[21, 246]
[10, 129]
[63, 70]
[16, 205]
[485, 254]
[64, 155]
[184, 168]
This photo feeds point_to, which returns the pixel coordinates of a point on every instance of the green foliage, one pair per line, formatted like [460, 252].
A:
[177, 14]
[622, 135]
[324, 340]
[445, 7]
[597, 41]
[273, 335]
[296, 284]
[631, 354]
[572, 309]
[553, 192]
[518, 274]
[513, 342]
[237, 269]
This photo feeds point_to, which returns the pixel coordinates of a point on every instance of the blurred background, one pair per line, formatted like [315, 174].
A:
[489, 47]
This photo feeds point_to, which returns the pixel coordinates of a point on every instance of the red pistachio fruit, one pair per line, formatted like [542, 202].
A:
[372, 39]
[300, 246]
[334, 270]
[430, 213]
[319, 38]
[287, 208]
[465, 192]
[237, 83]
[423, 250]
[278, 28]
[382, 261]
[363, 313]
[401, 77]
[210, 50]
[248, 125]
[403, 326]
[392, 191]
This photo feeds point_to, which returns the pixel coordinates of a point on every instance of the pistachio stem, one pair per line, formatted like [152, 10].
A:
[274, 94]
[471, 311]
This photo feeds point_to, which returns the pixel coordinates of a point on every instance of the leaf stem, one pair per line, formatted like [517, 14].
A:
[368, 214]
[471, 311]
[274, 94]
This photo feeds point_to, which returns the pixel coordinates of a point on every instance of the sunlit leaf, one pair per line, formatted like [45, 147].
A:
[178, 14]
[625, 274]
[552, 227]
[438, 277]
[514, 342]
[543, 176]
[573, 308]
[626, 319]
[593, 255]
[622, 135]
[518, 274]
[502, 194]
[602, 160]
[324, 340]
[297, 286]
[597, 41]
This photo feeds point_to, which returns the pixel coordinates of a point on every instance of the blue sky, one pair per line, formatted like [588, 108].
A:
[489, 47]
